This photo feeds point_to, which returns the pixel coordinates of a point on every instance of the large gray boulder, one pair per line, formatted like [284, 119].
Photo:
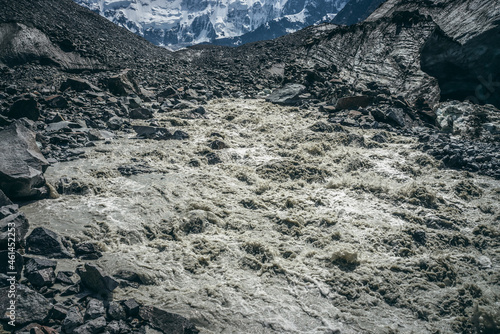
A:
[30, 306]
[287, 95]
[21, 163]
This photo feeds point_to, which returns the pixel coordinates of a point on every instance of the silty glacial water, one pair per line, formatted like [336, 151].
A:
[295, 231]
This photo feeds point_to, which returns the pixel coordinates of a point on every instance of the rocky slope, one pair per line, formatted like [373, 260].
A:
[180, 23]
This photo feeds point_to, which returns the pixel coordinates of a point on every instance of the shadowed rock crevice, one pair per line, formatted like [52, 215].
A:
[465, 72]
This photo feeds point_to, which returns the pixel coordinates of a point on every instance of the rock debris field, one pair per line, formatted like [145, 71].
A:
[268, 219]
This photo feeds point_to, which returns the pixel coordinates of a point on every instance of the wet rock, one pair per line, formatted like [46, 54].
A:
[353, 102]
[9, 266]
[151, 132]
[94, 278]
[30, 306]
[288, 95]
[78, 85]
[116, 311]
[40, 272]
[218, 145]
[166, 321]
[64, 277]
[45, 242]
[95, 309]
[74, 319]
[141, 113]
[28, 108]
[21, 163]
[321, 127]
[11, 217]
[131, 307]
[213, 159]
[180, 135]
[87, 251]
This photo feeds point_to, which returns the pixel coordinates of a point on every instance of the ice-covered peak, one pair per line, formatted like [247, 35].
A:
[184, 22]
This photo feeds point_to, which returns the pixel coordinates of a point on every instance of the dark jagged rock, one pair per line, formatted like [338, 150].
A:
[4, 200]
[28, 108]
[21, 163]
[90, 327]
[56, 101]
[141, 113]
[7, 266]
[116, 311]
[45, 242]
[40, 272]
[122, 84]
[78, 85]
[30, 306]
[64, 277]
[166, 321]
[288, 95]
[94, 278]
[151, 132]
[73, 319]
[10, 215]
[353, 102]
[87, 251]
[131, 307]
[95, 309]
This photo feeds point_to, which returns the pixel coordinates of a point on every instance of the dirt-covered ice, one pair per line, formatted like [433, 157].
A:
[302, 227]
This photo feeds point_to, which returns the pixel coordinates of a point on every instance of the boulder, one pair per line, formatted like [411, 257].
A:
[94, 278]
[40, 272]
[21, 163]
[95, 309]
[141, 113]
[116, 311]
[151, 132]
[30, 305]
[78, 85]
[74, 319]
[25, 108]
[56, 101]
[122, 84]
[287, 95]
[131, 307]
[166, 322]
[87, 251]
[353, 102]
[10, 216]
[92, 326]
[43, 241]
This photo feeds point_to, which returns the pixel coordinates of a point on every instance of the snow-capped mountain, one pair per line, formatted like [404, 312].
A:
[178, 23]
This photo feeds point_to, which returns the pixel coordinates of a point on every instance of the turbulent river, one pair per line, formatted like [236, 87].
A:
[294, 231]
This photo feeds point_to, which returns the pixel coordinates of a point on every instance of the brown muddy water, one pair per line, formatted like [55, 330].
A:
[295, 231]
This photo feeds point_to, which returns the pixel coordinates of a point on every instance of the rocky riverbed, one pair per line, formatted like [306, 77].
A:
[263, 218]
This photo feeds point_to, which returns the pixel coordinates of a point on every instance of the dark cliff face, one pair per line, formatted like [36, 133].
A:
[463, 53]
